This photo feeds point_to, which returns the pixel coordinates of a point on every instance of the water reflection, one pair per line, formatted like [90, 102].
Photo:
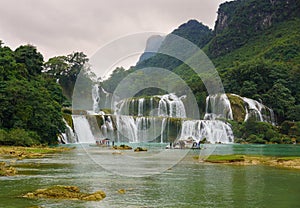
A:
[188, 184]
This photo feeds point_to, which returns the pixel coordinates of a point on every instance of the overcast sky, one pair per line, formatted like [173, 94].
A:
[59, 27]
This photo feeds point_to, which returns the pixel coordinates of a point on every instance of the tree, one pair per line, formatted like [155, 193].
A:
[66, 70]
[30, 57]
[281, 100]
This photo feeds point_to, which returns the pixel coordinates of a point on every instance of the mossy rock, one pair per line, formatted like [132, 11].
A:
[107, 111]
[68, 119]
[79, 112]
[140, 149]
[65, 192]
[6, 170]
[238, 107]
[121, 191]
[67, 111]
[225, 158]
[122, 147]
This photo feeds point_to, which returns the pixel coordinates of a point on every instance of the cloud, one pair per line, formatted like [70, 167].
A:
[59, 27]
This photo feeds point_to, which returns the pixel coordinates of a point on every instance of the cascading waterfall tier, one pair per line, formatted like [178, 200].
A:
[254, 109]
[218, 106]
[69, 136]
[83, 129]
[160, 118]
[168, 105]
[213, 131]
[228, 106]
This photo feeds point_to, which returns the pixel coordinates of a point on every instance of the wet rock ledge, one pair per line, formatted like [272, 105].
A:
[65, 192]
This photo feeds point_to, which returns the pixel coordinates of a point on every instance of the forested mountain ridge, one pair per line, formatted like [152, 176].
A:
[239, 20]
[255, 48]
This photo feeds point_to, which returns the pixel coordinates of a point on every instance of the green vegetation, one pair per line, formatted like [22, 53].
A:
[256, 50]
[281, 162]
[253, 131]
[255, 47]
[29, 152]
[30, 102]
[225, 158]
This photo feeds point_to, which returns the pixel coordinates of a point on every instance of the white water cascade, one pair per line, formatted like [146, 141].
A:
[138, 129]
[83, 129]
[257, 110]
[96, 98]
[214, 131]
[218, 106]
[168, 105]
[172, 106]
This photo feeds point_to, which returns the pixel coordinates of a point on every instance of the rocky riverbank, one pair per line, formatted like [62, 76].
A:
[292, 162]
[29, 152]
[13, 153]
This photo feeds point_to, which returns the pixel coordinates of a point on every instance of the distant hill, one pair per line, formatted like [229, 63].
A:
[193, 31]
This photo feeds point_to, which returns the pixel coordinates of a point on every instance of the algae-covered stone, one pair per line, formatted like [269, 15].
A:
[238, 107]
[65, 192]
[121, 191]
[6, 170]
[140, 149]
[122, 147]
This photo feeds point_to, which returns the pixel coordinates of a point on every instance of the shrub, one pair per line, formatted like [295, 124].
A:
[20, 137]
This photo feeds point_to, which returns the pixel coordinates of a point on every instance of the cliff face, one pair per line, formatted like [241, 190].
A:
[192, 30]
[152, 46]
[195, 32]
[239, 20]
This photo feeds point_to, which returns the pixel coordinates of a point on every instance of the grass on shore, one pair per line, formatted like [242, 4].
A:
[30, 152]
[282, 161]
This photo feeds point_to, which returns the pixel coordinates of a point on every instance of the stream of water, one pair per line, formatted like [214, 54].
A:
[187, 184]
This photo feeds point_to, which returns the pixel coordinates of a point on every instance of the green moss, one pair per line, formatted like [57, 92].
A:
[225, 158]
[67, 111]
[99, 120]
[288, 158]
[122, 147]
[140, 149]
[6, 170]
[107, 111]
[238, 108]
[68, 119]
[65, 192]
[29, 152]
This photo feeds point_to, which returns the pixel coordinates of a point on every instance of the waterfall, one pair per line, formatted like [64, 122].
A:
[218, 106]
[141, 107]
[127, 129]
[163, 124]
[96, 98]
[172, 106]
[83, 129]
[137, 129]
[69, 135]
[256, 110]
[214, 131]
[168, 105]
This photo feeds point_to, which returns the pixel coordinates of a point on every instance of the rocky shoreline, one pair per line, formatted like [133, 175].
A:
[291, 162]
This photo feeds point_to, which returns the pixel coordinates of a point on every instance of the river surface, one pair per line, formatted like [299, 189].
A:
[187, 184]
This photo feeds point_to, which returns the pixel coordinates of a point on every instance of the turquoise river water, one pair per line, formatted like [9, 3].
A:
[187, 184]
